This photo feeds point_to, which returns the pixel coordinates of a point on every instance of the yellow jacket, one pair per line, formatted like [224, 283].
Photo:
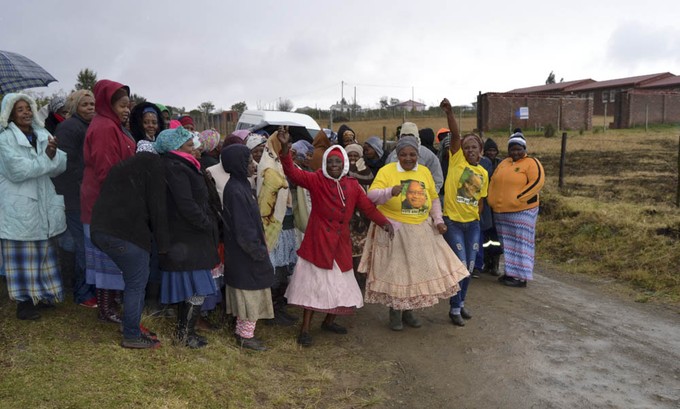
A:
[515, 185]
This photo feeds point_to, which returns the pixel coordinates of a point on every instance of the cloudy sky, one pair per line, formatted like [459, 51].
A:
[183, 53]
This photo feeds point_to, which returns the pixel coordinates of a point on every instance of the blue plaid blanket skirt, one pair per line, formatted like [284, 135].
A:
[517, 231]
[100, 270]
[32, 270]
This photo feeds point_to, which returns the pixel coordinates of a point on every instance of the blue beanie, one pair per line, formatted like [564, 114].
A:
[171, 139]
[375, 143]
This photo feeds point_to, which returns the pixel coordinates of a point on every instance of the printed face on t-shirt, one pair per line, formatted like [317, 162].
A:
[414, 197]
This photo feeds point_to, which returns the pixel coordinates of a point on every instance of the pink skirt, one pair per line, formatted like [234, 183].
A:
[329, 291]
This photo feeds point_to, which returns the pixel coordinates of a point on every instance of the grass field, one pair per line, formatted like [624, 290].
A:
[615, 218]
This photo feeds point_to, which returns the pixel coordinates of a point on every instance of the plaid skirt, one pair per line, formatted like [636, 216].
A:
[517, 231]
[100, 270]
[32, 270]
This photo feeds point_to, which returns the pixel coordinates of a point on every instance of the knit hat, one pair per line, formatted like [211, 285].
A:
[56, 104]
[335, 153]
[490, 144]
[171, 139]
[175, 124]
[406, 141]
[517, 139]
[408, 128]
[301, 147]
[355, 147]
[426, 136]
[186, 120]
[210, 139]
[254, 140]
[375, 143]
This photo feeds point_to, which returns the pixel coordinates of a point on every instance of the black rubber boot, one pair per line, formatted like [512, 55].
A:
[396, 320]
[27, 311]
[187, 316]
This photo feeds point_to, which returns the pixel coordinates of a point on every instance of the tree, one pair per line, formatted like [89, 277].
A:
[206, 107]
[239, 107]
[394, 101]
[137, 99]
[86, 79]
[284, 105]
[384, 102]
[551, 78]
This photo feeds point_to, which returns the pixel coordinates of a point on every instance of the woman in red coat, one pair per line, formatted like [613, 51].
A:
[323, 279]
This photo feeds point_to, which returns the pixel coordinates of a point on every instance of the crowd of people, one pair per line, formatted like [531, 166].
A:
[132, 209]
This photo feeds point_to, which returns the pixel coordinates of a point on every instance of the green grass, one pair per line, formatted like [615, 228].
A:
[70, 360]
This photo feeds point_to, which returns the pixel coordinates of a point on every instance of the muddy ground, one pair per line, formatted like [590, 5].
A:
[563, 342]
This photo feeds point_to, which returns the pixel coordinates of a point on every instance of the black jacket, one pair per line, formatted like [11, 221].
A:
[71, 137]
[131, 204]
[192, 224]
[246, 260]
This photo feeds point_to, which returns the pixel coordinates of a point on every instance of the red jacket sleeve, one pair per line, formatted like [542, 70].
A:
[297, 176]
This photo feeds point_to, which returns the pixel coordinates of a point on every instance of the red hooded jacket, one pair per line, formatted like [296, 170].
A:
[105, 145]
[327, 235]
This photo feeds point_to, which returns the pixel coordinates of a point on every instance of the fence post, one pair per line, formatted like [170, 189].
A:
[563, 155]
[677, 191]
[384, 137]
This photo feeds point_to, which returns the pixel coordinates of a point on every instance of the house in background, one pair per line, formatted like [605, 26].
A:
[556, 88]
[604, 93]
[409, 106]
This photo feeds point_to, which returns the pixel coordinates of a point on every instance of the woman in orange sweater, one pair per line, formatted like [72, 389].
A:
[513, 197]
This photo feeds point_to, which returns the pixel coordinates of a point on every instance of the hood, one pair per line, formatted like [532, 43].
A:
[345, 168]
[137, 120]
[341, 131]
[490, 144]
[8, 103]
[103, 91]
[235, 160]
[426, 136]
[320, 143]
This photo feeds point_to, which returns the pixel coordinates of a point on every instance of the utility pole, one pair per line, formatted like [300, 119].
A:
[342, 96]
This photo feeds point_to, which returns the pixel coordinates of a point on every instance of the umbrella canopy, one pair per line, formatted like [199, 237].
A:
[297, 131]
[18, 72]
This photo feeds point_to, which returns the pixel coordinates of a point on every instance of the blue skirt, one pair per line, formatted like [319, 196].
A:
[177, 286]
[100, 270]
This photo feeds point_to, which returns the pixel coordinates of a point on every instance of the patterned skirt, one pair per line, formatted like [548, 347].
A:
[284, 254]
[517, 231]
[32, 271]
[329, 291]
[413, 270]
[100, 270]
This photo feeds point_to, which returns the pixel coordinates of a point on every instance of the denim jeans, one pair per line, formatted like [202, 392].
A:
[82, 291]
[133, 261]
[463, 238]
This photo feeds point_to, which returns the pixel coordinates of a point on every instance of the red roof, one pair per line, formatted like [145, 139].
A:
[623, 82]
[556, 87]
[673, 81]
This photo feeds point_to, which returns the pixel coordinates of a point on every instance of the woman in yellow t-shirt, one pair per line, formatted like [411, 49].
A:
[467, 182]
[417, 267]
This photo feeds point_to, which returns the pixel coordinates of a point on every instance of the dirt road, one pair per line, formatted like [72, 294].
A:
[563, 342]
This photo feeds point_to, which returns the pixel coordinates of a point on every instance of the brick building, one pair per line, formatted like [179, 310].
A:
[499, 111]
[640, 107]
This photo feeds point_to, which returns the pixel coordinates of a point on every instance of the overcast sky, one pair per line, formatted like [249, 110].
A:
[182, 53]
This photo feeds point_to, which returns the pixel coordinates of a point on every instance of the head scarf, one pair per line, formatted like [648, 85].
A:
[341, 131]
[74, 99]
[186, 120]
[375, 143]
[233, 140]
[171, 139]
[56, 104]
[408, 128]
[174, 124]
[197, 141]
[355, 147]
[235, 161]
[162, 108]
[241, 133]
[254, 140]
[406, 141]
[301, 148]
[476, 138]
[210, 139]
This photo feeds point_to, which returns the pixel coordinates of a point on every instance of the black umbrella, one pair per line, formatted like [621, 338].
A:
[297, 132]
[18, 72]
